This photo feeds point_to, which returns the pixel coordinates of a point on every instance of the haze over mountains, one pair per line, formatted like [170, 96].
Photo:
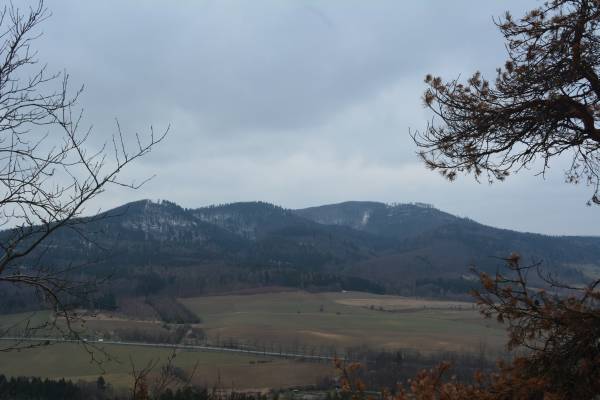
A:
[356, 245]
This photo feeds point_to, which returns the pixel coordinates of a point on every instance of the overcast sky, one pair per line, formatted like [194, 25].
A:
[297, 103]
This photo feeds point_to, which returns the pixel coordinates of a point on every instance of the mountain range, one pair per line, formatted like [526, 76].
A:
[357, 245]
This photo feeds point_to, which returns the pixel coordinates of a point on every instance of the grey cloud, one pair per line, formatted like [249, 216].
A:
[295, 102]
[242, 66]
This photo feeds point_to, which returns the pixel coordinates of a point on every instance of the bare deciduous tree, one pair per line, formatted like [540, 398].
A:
[49, 170]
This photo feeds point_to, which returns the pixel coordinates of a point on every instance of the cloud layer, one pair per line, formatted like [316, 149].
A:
[297, 102]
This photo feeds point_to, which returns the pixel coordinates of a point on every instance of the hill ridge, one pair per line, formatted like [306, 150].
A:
[393, 246]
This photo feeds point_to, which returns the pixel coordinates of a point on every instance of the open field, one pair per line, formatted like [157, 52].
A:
[396, 303]
[301, 322]
[228, 371]
[347, 319]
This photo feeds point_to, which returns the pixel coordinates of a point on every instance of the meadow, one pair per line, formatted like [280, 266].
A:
[300, 322]
[218, 370]
[316, 321]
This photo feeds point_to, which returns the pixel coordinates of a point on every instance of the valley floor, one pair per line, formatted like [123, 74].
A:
[218, 370]
[298, 322]
[316, 321]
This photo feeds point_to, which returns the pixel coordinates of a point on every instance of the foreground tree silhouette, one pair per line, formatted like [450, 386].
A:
[48, 171]
[545, 102]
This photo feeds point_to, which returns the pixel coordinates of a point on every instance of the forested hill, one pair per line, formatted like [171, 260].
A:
[379, 246]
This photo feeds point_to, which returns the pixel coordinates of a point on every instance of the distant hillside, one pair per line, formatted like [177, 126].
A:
[400, 248]
[251, 220]
[430, 241]
[397, 221]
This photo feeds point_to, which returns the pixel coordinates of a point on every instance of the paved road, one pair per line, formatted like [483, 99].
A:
[177, 346]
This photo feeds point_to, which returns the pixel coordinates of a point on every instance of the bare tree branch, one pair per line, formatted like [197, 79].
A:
[49, 172]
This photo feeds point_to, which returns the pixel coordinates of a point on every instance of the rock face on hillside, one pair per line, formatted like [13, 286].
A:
[389, 244]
